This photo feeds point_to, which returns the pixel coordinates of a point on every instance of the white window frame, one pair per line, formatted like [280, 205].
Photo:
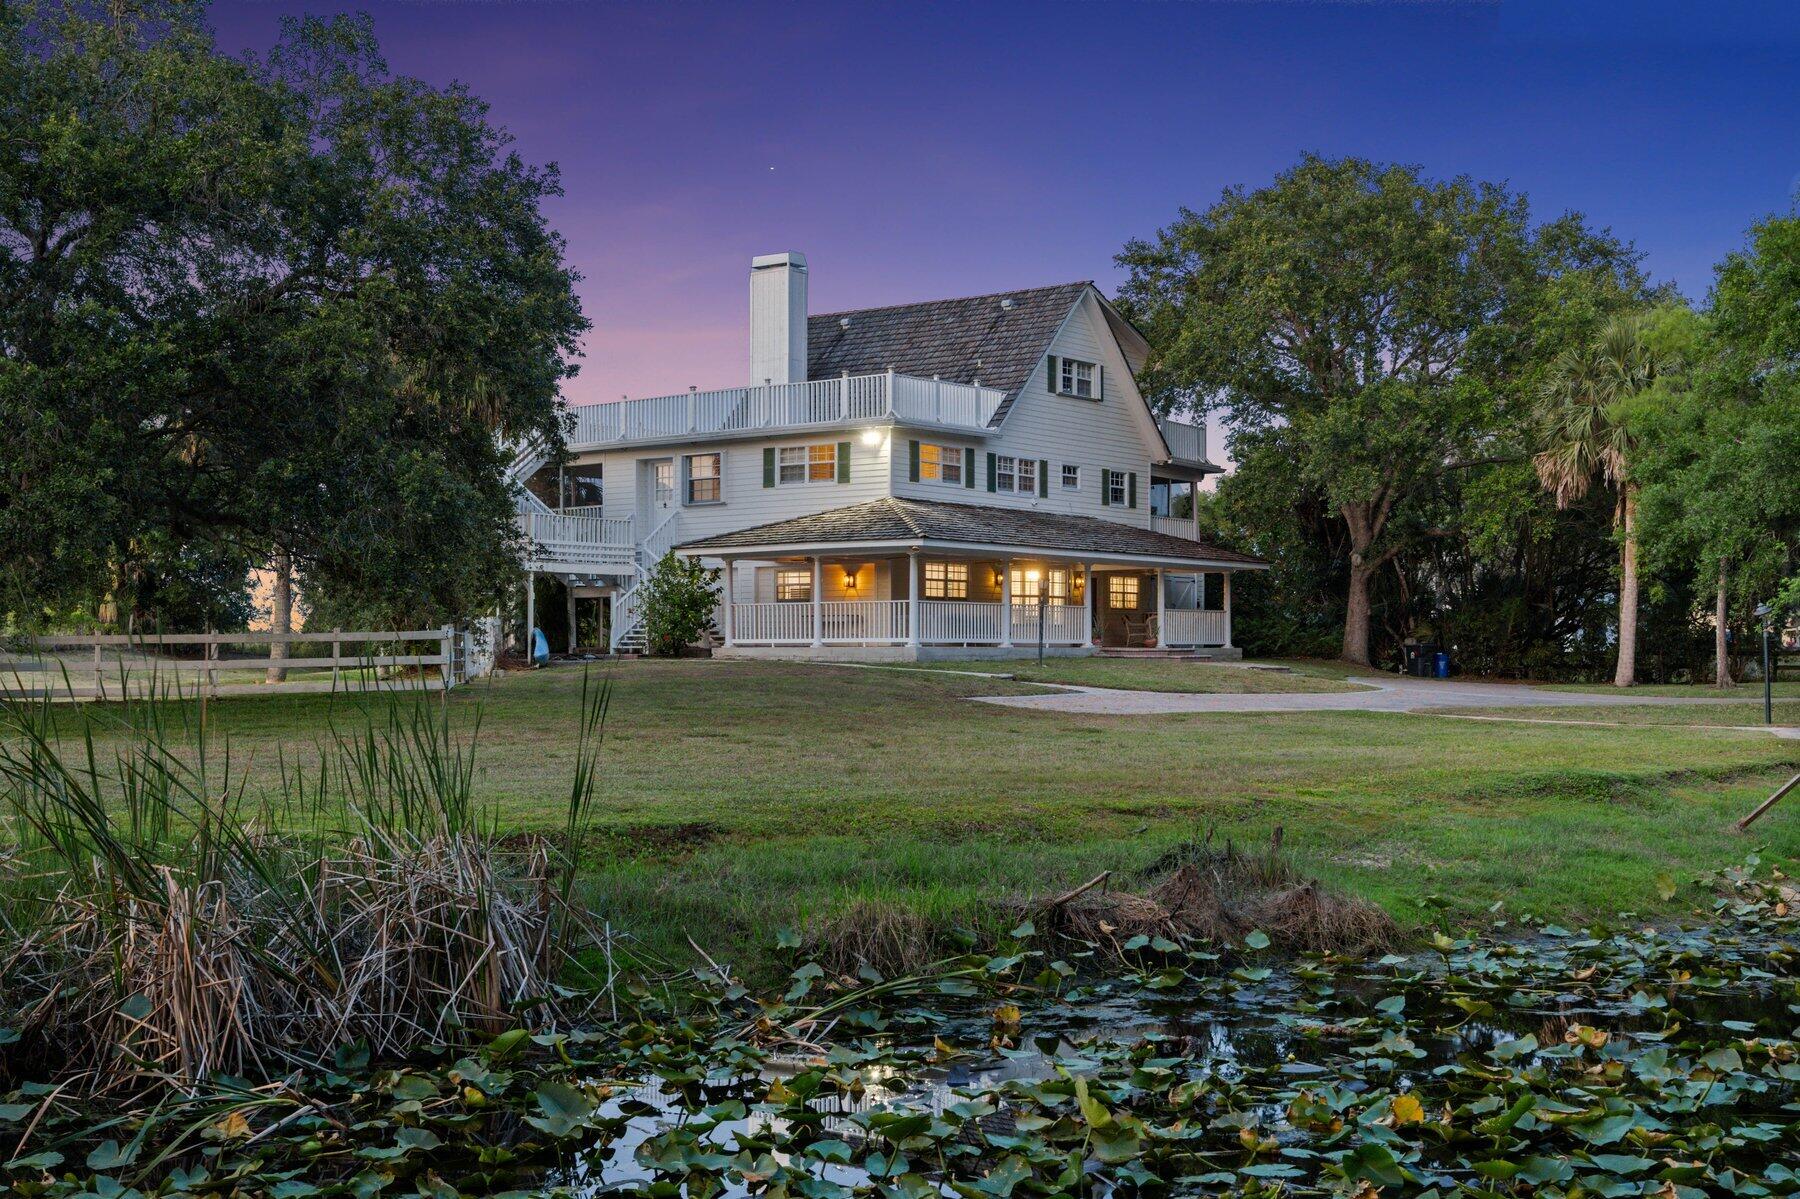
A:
[1071, 477]
[1015, 475]
[1117, 583]
[1075, 378]
[808, 463]
[1116, 478]
[797, 582]
[945, 580]
[1054, 578]
[939, 463]
[717, 478]
[1026, 476]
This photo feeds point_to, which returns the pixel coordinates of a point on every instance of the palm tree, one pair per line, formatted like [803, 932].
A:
[1586, 435]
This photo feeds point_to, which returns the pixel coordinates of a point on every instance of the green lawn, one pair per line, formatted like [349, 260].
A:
[1158, 674]
[1788, 688]
[1786, 712]
[739, 797]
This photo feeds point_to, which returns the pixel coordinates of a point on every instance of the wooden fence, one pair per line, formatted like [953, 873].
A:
[110, 666]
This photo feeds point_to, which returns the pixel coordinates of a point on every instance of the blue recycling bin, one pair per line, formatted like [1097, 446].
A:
[1442, 664]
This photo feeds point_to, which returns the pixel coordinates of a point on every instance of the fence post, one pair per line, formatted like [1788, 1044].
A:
[99, 675]
[212, 672]
[447, 639]
[337, 657]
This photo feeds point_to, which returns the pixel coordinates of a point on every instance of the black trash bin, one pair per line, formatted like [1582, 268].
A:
[1421, 659]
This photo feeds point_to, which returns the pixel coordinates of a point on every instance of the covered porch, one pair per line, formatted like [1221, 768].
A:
[936, 604]
[903, 579]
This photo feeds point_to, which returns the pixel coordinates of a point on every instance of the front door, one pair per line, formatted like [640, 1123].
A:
[657, 485]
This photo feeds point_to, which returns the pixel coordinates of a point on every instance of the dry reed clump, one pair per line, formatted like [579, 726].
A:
[153, 931]
[890, 940]
[1207, 893]
[406, 944]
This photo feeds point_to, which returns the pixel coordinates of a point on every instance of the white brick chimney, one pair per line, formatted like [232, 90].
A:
[777, 319]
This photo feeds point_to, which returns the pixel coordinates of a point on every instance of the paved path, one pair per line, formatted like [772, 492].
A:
[1384, 695]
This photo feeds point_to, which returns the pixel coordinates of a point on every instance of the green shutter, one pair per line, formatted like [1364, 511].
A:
[969, 467]
[1105, 487]
[1043, 478]
[1050, 383]
[993, 474]
[1131, 490]
[769, 467]
[843, 462]
[912, 461]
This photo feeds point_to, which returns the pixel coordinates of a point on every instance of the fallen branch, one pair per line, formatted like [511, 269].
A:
[1083, 889]
[1768, 803]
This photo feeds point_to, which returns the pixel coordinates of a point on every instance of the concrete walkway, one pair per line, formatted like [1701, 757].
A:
[1384, 695]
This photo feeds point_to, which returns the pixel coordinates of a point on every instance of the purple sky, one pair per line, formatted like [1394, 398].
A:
[920, 150]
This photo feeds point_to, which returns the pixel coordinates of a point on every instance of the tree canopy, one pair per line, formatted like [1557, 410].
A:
[289, 304]
[1374, 323]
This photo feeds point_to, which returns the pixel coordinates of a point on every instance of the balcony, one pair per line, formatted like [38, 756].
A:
[1187, 443]
[782, 407]
[577, 540]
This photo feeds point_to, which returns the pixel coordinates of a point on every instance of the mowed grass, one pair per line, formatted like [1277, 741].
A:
[741, 797]
[1720, 715]
[1783, 689]
[1157, 674]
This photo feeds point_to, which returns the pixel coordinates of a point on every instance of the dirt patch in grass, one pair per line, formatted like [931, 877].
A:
[663, 840]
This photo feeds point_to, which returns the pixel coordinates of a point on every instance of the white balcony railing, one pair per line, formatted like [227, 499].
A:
[577, 539]
[1175, 526]
[779, 406]
[1187, 443]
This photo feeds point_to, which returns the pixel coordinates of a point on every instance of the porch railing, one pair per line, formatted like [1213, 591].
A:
[776, 406]
[1175, 526]
[959, 622]
[863, 620]
[1064, 624]
[772, 624]
[1189, 626]
[577, 538]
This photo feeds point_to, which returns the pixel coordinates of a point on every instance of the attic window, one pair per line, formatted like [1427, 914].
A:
[1075, 378]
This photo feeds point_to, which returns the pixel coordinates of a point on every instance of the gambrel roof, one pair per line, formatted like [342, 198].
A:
[895, 521]
[965, 340]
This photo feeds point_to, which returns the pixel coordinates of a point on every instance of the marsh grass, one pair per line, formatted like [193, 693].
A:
[162, 917]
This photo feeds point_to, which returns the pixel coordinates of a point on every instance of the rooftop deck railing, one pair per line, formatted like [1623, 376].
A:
[777, 406]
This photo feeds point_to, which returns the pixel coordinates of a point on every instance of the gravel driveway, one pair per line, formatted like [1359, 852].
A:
[1384, 695]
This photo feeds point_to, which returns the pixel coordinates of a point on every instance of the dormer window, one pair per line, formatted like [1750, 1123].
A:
[1076, 378]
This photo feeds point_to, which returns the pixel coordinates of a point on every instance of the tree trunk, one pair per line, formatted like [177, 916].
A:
[1356, 612]
[1721, 652]
[281, 613]
[1626, 675]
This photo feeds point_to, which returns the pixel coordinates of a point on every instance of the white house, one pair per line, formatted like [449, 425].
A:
[925, 480]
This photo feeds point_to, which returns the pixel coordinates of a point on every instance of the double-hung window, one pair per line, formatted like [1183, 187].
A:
[1071, 477]
[807, 463]
[941, 463]
[703, 479]
[1015, 474]
[1116, 492]
[946, 580]
[1122, 591]
[793, 586]
[1075, 378]
[1054, 581]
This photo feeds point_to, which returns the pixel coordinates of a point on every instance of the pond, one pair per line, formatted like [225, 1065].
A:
[1613, 1062]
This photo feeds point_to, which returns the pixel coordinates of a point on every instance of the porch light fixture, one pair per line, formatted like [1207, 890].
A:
[849, 580]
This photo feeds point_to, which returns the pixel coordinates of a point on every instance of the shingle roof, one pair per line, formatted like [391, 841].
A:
[963, 340]
[895, 519]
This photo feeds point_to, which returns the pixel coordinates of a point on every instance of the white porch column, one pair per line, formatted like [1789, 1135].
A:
[1228, 609]
[1088, 600]
[1006, 604]
[730, 604]
[569, 591]
[1162, 596]
[818, 612]
[530, 612]
[913, 612]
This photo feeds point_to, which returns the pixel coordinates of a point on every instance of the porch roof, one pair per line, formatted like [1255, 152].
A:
[901, 524]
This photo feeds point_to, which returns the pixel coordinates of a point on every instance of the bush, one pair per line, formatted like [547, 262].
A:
[679, 598]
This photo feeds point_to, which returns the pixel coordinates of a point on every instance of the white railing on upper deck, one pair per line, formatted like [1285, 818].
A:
[777, 406]
[577, 538]
[1175, 526]
[1187, 443]
[1192, 626]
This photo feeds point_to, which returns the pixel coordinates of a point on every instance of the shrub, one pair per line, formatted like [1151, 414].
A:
[679, 598]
